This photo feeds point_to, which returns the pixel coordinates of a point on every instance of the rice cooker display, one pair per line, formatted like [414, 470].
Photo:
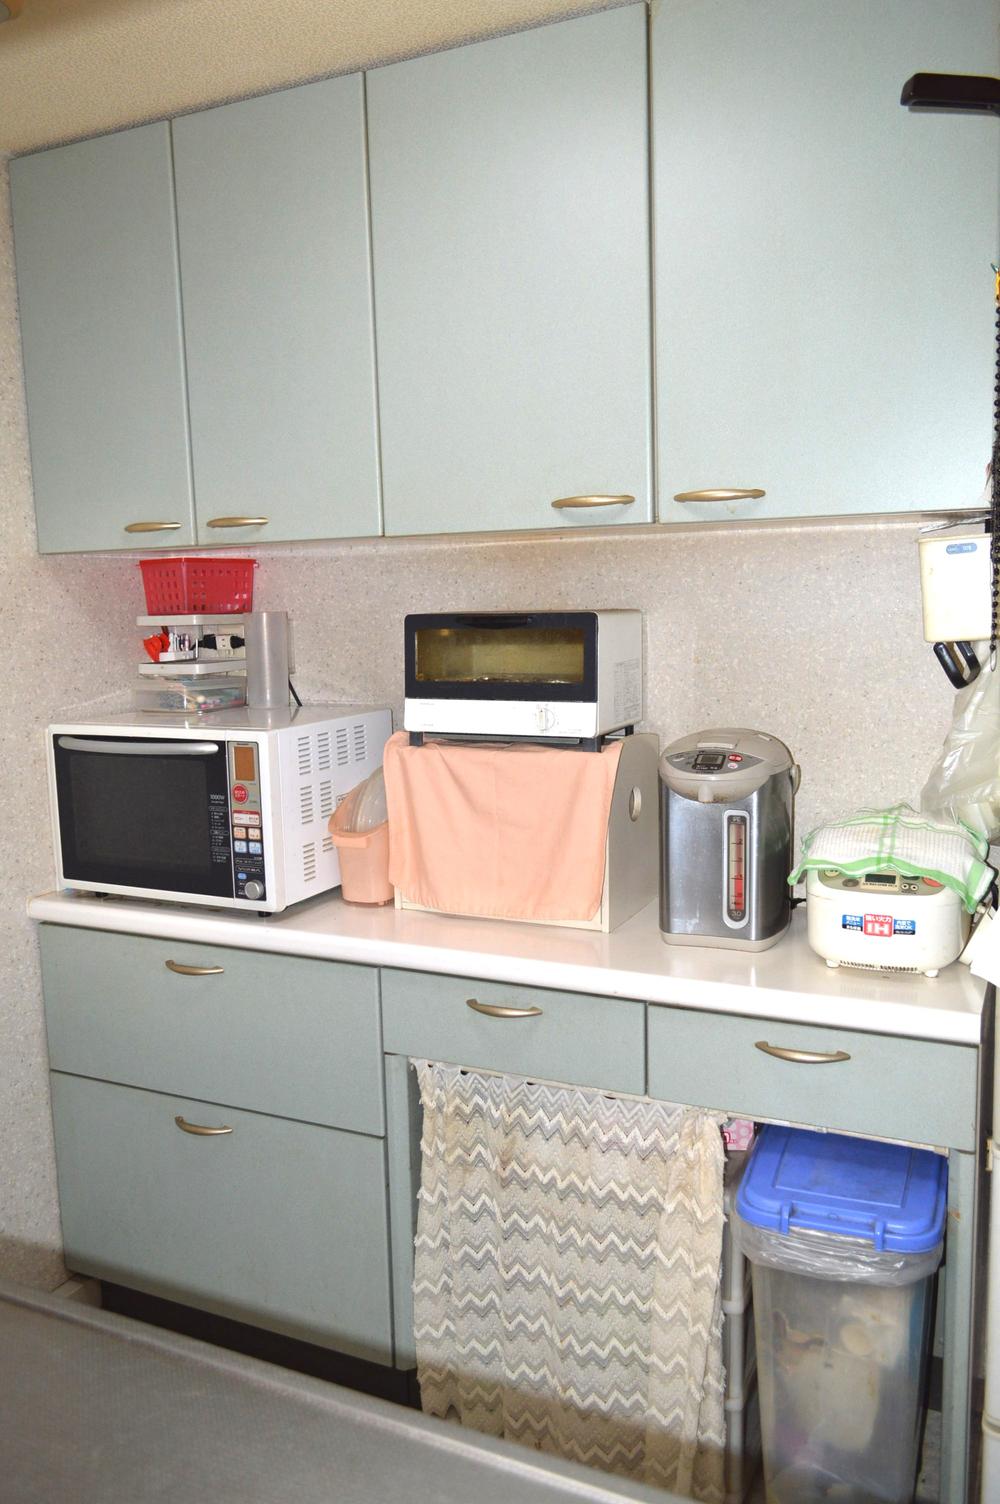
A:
[915, 887]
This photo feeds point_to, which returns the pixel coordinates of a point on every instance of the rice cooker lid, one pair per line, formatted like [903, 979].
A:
[729, 762]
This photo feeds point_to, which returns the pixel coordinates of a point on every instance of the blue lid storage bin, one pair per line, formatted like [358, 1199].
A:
[843, 1208]
[843, 1236]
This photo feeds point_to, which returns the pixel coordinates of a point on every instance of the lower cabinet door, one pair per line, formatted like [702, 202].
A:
[278, 1223]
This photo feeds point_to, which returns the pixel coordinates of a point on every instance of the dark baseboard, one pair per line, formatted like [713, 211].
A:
[270, 1347]
[303, 1357]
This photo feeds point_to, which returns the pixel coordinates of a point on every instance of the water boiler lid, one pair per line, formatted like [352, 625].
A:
[729, 761]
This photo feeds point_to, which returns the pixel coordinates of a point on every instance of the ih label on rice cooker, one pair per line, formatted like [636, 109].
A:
[881, 925]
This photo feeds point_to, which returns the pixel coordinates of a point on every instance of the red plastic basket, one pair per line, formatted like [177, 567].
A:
[179, 587]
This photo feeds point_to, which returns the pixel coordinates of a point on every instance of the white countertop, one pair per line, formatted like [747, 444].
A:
[788, 982]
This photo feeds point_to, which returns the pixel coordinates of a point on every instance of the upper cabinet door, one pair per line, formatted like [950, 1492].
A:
[101, 333]
[510, 235]
[273, 226]
[824, 298]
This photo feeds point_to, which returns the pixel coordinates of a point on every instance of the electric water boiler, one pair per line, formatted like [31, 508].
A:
[726, 839]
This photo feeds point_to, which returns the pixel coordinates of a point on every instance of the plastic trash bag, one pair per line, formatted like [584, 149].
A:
[827, 1255]
[964, 783]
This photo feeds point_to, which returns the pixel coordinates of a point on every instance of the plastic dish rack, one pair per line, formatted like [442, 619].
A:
[176, 587]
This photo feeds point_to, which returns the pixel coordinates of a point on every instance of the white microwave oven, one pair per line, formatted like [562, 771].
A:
[537, 675]
[229, 810]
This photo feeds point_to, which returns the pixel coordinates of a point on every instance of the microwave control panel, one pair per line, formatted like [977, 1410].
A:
[246, 813]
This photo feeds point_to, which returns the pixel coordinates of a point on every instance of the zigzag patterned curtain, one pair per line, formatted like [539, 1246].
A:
[567, 1274]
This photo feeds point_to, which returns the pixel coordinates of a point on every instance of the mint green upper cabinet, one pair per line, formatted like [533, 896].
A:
[101, 334]
[510, 236]
[824, 298]
[273, 230]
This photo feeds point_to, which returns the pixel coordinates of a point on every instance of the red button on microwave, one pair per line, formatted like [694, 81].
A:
[240, 793]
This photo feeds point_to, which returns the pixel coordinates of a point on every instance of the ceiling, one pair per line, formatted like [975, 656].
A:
[78, 67]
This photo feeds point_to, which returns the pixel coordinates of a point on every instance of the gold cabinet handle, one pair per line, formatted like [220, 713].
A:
[193, 971]
[494, 1010]
[151, 527]
[594, 501]
[802, 1057]
[722, 493]
[237, 522]
[199, 1128]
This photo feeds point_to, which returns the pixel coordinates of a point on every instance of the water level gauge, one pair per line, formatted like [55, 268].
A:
[736, 831]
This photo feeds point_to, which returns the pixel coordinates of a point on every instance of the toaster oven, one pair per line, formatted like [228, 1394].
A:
[571, 676]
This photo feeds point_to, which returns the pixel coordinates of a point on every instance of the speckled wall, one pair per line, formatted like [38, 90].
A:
[812, 633]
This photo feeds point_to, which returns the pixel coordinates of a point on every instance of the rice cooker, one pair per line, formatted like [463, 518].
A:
[726, 839]
[883, 921]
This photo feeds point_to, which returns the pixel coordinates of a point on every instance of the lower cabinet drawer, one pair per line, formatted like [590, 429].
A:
[278, 1034]
[557, 1036]
[278, 1223]
[891, 1088]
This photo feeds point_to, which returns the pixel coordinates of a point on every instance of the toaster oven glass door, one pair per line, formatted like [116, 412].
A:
[544, 655]
[145, 813]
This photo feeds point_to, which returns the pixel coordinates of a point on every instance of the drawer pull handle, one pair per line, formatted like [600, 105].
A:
[151, 527]
[238, 522]
[802, 1057]
[593, 501]
[199, 1128]
[193, 971]
[495, 1010]
[722, 493]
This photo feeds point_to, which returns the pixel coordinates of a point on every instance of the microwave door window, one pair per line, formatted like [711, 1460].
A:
[146, 821]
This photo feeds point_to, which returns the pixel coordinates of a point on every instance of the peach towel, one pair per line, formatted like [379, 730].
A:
[505, 832]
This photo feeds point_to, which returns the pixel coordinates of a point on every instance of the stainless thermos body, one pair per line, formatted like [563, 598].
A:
[726, 839]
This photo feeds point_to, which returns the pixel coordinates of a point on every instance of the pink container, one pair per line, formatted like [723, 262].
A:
[364, 861]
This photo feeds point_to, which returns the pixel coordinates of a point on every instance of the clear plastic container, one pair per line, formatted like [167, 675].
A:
[842, 1318]
[840, 1371]
[192, 695]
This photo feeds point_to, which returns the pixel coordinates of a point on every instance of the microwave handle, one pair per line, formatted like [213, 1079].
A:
[138, 749]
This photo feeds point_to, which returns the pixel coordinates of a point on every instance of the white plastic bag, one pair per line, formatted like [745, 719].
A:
[965, 781]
